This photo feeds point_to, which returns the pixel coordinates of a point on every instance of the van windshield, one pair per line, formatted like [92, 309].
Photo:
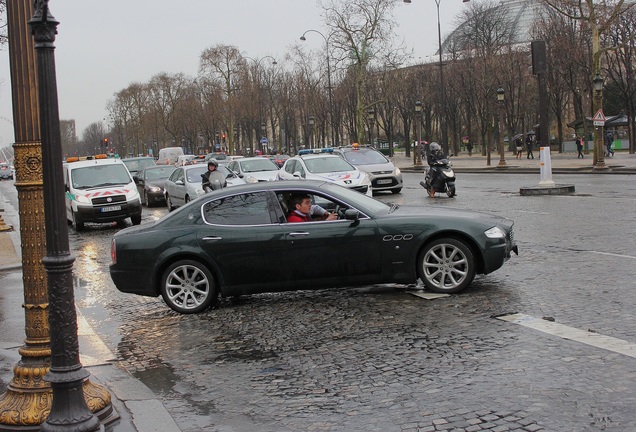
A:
[100, 176]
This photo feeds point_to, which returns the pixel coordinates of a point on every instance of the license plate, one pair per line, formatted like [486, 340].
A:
[385, 181]
[110, 209]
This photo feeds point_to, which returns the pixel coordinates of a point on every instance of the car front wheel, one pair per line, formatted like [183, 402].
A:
[188, 287]
[446, 266]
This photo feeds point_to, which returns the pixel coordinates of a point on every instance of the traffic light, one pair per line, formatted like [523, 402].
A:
[105, 143]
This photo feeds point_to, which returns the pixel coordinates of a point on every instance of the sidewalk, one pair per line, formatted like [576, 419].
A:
[562, 163]
[138, 408]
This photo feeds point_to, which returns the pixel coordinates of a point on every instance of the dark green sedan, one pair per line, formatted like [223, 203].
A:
[238, 241]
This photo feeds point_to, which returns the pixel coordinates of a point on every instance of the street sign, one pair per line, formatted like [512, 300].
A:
[599, 118]
[264, 141]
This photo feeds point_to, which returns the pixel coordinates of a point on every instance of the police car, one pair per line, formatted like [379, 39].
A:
[99, 189]
[323, 164]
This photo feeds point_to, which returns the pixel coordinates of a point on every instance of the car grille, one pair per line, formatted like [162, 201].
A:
[105, 200]
[382, 172]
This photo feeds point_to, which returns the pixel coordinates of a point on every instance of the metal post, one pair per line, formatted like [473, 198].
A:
[502, 151]
[599, 130]
[417, 151]
[311, 131]
[371, 118]
[69, 410]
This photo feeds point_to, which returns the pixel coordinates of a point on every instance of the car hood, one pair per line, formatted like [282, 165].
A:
[371, 168]
[342, 176]
[448, 213]
[158, 183]
[262, 175]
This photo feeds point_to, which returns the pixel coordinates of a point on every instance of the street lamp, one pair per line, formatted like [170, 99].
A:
[417, 151]
[442, 113]
[303, 38]
[311, 131]
[598, 127]
[501, 97]
[371, 118]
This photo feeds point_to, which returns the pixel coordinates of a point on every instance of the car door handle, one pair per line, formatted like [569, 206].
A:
[298, 234]
[212, 238]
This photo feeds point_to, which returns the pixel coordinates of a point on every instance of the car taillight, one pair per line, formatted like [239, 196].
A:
[113, 252]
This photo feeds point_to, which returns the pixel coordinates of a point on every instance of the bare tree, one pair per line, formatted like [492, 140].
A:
[222, 65]
[361, 35]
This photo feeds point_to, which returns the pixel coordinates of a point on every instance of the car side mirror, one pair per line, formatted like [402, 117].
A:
[179, 182]
[351, 214]
[297, 174]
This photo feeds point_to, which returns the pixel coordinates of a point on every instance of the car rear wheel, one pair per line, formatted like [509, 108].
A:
[446, 266]
[188, 287]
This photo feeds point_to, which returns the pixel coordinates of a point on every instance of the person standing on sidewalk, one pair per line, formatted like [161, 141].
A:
[579, 146]
[519, 147]
[529, 144]
[609, 139]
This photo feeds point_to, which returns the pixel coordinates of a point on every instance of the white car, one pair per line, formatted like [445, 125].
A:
[322, 164]
[384, 176]
[184, 184]
[254, 169]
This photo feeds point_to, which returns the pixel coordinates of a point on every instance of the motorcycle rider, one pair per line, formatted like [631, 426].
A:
[212, 179]
[435, 154]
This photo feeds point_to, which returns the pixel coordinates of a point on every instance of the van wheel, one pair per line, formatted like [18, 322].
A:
[78, 222]
[136, 219]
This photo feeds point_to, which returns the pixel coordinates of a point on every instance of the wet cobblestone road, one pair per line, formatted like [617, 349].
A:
[382, 359]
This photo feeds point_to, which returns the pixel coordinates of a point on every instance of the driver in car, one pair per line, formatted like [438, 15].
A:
[305, 211]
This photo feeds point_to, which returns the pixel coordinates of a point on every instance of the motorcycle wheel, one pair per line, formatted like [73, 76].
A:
[450, 191]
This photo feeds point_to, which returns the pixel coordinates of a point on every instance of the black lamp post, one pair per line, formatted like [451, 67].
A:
[330, 91]
[69, 410]
[599, 127]
[417, 151]
[501, 97]
[371, 118]
[311, 131]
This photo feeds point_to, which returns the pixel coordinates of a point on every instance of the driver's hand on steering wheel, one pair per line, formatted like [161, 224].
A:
[331, 216]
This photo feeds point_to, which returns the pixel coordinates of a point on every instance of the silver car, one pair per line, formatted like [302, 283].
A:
[383, 174]
[254, 169]
[184, 184]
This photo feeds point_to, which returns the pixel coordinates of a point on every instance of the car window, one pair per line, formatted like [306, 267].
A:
[99, 175]
[158, 173]
[194, 174]
[365, 157]
[326, 165]
[176, 174]
[243, 209]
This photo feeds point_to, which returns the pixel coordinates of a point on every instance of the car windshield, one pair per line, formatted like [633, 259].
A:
[223, 169]
[358, 200]
[99, 175]
[193, 175]
[159, 173]
[365, 157]
[256, 165]
[327, 164]
[139, 164]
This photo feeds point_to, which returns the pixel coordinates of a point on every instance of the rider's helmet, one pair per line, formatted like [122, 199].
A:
[213, 162]
[435, 148]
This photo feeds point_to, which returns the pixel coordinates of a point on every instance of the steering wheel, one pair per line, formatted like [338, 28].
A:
[337, 211]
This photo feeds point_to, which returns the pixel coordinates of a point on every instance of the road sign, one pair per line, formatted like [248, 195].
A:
[264, 141]
[599, 118]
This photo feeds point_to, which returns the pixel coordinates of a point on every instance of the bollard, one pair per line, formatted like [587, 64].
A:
[546, 168]
[4, 226]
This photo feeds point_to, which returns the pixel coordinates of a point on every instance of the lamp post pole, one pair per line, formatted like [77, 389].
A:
[501, 96]
[330, 92]
[417, 151]
[311, 131]
[371, 118]
[598, 130]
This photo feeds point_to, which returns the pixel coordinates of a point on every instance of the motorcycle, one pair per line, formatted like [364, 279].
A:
[444, 181]
[208, 186]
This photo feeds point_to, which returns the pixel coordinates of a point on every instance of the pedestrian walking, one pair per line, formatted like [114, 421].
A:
[579, 146]
[529, 144]
[609, 139]
[469, 147]
[519, 147]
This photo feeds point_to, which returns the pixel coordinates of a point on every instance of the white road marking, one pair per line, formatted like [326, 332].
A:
[427, 296]
[614, 255]
[590, 338]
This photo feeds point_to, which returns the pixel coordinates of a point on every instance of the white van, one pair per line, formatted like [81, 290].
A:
[169, 155]
[100, 190]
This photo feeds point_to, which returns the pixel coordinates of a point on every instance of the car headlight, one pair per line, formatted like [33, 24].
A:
[251, 179]
[495, 232]
[366, 180]
[154, 189]
[397, 171]
[82, 199]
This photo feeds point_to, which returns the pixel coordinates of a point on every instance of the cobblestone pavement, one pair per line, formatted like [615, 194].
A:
[382, 359]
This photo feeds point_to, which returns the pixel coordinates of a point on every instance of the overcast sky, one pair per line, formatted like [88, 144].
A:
[103, 46]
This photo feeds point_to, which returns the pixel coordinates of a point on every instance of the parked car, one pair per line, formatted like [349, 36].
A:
[184, 184]
[254, 169]
[135, 164]
[202, 250]
[384, 176]
[150, 183]
[322, 164]
[6, 172]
